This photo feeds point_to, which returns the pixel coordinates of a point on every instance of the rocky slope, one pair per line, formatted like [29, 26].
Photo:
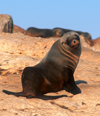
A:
[18, 51]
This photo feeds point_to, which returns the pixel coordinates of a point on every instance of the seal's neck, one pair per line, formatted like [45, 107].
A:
[72, 56]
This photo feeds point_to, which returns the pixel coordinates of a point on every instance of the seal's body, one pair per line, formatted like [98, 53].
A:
[85, 34]
[45, 33]
[36, 32]
[56, 69]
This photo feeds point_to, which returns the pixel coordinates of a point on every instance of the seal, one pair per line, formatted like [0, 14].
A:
[55, 71]
[85, 34]
[44, 33]
[36, 32]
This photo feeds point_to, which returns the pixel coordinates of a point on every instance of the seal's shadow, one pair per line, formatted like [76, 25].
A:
[49, 97]
[45, 97]
[80, 81]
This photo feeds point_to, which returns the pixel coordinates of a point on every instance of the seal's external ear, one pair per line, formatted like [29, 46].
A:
[67, 41]
[63, 38]
[78, 37]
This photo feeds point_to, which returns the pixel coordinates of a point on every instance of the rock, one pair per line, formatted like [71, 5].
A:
[6, 23]
[18, 51]
[18, 29]
[91, 44]
[94, 44]
[83, 42]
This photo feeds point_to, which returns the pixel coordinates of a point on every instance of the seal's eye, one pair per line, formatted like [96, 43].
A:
[74, 41]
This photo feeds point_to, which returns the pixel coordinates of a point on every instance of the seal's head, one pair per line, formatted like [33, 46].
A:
[71, 39]
[58, 32]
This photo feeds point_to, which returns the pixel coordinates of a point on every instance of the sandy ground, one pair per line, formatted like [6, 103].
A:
[19, 51]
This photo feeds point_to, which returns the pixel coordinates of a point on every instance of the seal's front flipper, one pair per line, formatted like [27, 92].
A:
[74, 91]
[69, 83]
[72, 88]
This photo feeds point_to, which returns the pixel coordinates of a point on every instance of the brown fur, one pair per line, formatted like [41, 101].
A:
[45, 33]
[58, 32]
[36, 32]
[85, 34]
[50, 76]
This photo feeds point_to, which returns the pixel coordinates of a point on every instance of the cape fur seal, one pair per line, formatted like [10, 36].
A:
[85, 34]
[45, 33]
[36, 32]
[55, 71]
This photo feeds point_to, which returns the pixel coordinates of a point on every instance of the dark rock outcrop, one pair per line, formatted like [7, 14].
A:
[6, 23]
